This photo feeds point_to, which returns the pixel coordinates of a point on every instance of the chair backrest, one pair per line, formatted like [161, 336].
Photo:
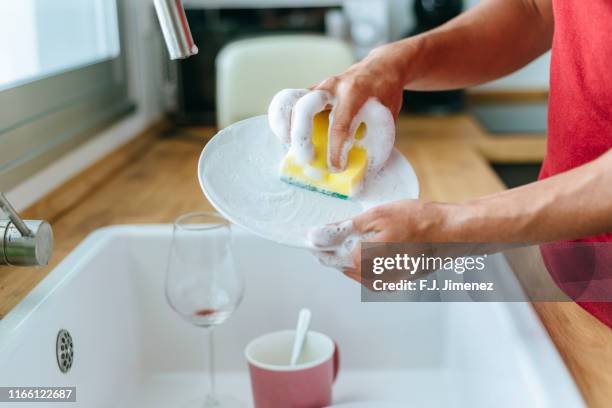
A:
[251, 71]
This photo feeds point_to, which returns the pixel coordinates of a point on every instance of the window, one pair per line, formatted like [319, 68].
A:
[62, 77]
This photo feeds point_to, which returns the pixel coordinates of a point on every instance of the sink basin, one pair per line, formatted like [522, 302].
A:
[132, 350]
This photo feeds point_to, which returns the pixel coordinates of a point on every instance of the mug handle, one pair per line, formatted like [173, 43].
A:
[336, 361]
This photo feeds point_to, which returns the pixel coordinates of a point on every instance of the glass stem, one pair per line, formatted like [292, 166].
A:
[212, 393]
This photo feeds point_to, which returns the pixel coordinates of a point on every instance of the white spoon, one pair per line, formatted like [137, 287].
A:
[300, 334]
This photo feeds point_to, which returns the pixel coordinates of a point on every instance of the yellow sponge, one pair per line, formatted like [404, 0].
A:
[318, 177]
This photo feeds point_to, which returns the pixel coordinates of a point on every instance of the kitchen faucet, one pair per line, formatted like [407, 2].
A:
[30, 242]
[173, 22]
[23, 243]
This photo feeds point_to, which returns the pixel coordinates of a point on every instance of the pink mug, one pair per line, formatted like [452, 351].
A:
[276, 384]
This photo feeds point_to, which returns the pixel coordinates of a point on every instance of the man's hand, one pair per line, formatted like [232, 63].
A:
[561, 207]
[401, 221]
[486, 42]
[377, 76]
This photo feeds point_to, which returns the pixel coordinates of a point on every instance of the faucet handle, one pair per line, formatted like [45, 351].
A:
[6, 206]
[23, 243]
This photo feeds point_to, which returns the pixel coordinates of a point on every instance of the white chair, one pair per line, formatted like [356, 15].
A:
[251, 71]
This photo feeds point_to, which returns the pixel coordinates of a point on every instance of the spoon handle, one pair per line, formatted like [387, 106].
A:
[300, 334]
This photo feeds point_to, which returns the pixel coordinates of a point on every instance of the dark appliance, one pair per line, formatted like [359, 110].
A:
[214, 28]
[430, 14]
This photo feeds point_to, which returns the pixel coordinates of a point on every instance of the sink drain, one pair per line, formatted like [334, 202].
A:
[64, 350]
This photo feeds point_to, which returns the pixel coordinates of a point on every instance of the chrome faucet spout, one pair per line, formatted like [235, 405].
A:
[174, 25]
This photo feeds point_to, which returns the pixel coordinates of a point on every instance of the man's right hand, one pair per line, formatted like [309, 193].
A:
[377, 76]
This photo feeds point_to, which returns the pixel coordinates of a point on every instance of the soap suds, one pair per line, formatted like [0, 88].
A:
[330, 236]
[379, 136]
[302, 119]
[279, 113]
[333, 260]
[292, 111]
[312, 172]
[334, 243]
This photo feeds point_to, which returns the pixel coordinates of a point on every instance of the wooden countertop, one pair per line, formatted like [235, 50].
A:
[152, 179]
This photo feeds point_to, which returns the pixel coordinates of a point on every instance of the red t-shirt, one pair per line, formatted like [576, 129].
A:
[580, 104]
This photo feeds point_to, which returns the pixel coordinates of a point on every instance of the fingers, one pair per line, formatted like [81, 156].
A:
[302, 118]
[343, 125]
[342, 247]
[329, 84]
[379, 135]
[335, 244]
[352, 274]
[292, 111]
[370, 220]
[369, 225]
[338, 245]
[330, 235]
[332, 259]
[349, 101]
[279, 112]
[355, 271]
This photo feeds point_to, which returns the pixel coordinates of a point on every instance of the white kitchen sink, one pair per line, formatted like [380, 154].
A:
[132, 350]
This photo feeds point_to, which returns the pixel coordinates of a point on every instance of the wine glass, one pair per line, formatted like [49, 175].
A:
[203, 284]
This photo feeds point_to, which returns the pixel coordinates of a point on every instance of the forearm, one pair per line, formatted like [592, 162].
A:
[570, 205]
[489, 41]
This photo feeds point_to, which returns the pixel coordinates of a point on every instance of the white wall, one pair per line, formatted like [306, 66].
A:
[534, 75]
[16, 59]
[54, 36]
[75, 32]
[144, 55]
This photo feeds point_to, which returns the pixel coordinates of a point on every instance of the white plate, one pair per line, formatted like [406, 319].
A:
[238, 172]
